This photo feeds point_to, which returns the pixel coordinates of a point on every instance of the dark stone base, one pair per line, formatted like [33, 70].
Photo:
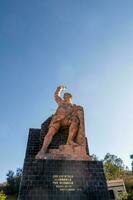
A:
[60, 179]
[63, 180]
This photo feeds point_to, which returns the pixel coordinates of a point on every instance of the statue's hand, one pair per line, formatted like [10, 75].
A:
[62, 87]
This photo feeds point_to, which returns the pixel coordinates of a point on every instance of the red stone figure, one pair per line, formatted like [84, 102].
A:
[66, 115]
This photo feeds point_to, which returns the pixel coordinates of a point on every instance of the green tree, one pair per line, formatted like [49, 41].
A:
[18, 179]
[113, 166]
[129, 187]
[94, 157]
[2, 196]
[110, 158]
[122, 196]
[10, 182]
[13, 182]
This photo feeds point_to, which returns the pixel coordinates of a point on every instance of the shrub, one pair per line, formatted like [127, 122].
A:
[2, 196]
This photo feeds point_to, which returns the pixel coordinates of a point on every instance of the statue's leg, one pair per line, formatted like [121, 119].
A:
[73, 129]
[47, 140]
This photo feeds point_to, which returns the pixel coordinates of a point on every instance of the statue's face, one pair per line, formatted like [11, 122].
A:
[68, 98]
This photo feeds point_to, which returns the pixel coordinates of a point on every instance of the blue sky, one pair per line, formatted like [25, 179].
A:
[86, 45]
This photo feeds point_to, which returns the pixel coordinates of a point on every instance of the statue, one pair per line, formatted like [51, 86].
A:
[66, 115]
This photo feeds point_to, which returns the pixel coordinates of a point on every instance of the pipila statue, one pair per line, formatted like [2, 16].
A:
[67, 115]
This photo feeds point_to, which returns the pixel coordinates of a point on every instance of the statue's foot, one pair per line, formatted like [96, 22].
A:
[72, 143]
[41, 154]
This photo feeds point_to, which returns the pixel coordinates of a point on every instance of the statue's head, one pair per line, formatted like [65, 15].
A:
[67, 97]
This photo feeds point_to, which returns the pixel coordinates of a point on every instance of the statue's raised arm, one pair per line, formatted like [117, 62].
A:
[57, 94]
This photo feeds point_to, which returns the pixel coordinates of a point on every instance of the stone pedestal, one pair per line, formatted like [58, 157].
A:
[67, 152]
[63, 180]
[60, 179]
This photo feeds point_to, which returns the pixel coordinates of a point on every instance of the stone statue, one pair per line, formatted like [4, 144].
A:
[66, 115]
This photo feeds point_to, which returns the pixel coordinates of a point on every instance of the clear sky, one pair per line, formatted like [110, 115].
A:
[84, 44]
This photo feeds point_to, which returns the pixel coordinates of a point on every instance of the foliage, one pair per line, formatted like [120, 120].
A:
[130, 195]
[10, 176]
[129, 188]
[13, 182]
[2, 196]
[114, 160]
[113, 172]
[94, 157]
[113, 166]
[122, 196]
